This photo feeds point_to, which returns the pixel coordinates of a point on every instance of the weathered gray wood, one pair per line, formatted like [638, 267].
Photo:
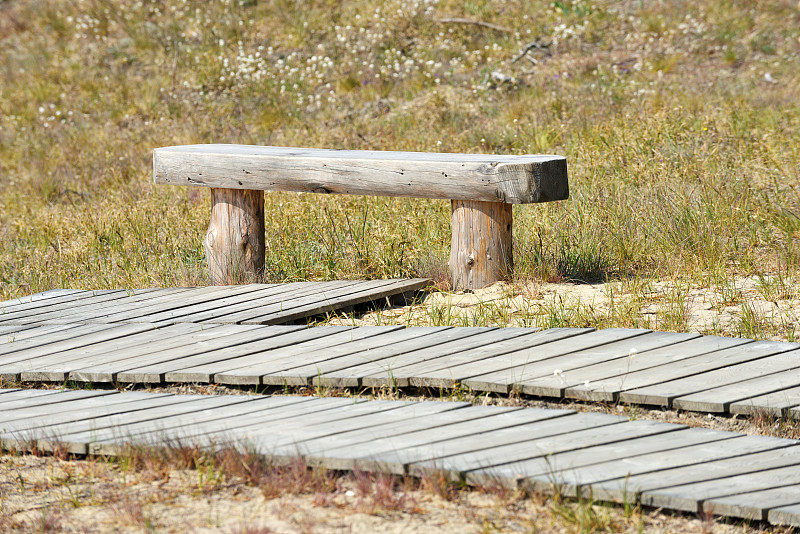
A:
[57, 367]
[502, 373]
[487, 178]
[386, 453]
[607, 379]
[160, 361]
[50, 337]
[664, 393]
[785, 515]
[45, 404]
[8, 333]
[277, 294]
[85, 314]
[331, 300]
[287, 360]
[776, 403]
[480, 250]
[83, 299]
[720, 398]
[29, 332]
[548, 384]
[36, 297]
[654, 377]
[448, 370]
[691, 497]
[372, 376]
[347, 371]
[567, 467]
[158, 432]
[649, 472]
[235, 241]
[754, 505]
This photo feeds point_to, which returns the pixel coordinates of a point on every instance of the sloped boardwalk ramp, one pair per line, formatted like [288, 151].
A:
[685, 371]
[658, 464]
[246, 304]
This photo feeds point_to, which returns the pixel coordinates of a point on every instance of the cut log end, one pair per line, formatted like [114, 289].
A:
[235, 240]
[480, 252]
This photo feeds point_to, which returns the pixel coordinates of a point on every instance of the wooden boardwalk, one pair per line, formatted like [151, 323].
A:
[659, 464]
[174, 338]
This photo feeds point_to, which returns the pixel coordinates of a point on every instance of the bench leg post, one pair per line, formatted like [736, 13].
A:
[235, 240]
[480, 252]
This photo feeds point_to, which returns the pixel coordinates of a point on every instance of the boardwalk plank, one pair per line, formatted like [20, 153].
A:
[546, 384]
[706, 372]
[691, 497]
[53, 338]
[785, 515]
[248, 370]
[226, 346]
[94, 313]
[286, 291]
[448, 370]
[650, 472]
[754, 505]
[566, 467]
[56, 366]
[776, 403]
[720, 398]
[66, 304]
[502, 373]
[37, 297]
[606, 380]
[379, 376]
[26, 332]
[44, 404]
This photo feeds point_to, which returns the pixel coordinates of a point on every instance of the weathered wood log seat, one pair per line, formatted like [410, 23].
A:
[482, 189]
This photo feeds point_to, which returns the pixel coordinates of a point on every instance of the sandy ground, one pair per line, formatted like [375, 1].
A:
[767, 308]
[46, 494]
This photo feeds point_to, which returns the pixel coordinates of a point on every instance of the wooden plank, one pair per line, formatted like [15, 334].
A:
[348, 370]
[487, 178]
[381, 449]
[565, 468]
[57, 367]
[36, 297]
[29, 331]
[126, 310]
[222, 306]
[247, 369]
[313, 303]
[706, 372]
[718, 399]
[364, 296]
[607, 379]
[448, 370]
[548, 384]
[639, 474]
[284, 291]
[785, 515]
[487, 459]
[165, 358]
[43, 404]
[691, 497]
[754, 505]
[431, 457]
[79, 313]
[192, 367]
[501, 373]
[696, 365]
[775, 403]
[157, 433]
[81, 300]
[376, 376]
[51, 337]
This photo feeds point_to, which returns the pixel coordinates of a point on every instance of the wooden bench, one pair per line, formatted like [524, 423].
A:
[482, 189]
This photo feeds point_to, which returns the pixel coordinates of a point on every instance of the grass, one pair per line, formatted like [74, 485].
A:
[680, 125]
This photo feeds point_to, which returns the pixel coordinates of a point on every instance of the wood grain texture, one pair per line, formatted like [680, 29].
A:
[480, 250]
[479, 177]
[235, 240]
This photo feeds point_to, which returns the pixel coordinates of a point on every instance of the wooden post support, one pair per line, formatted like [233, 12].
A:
[235, 239]
[480, 252]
